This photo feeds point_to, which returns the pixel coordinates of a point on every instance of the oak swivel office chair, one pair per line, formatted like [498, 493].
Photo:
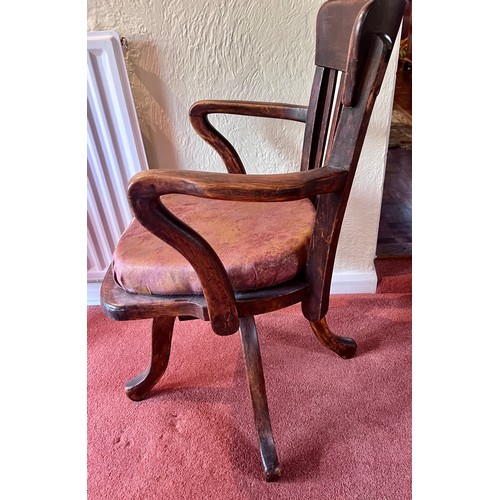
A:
[224, 247]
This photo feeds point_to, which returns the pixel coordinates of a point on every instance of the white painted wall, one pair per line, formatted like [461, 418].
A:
[181, 51]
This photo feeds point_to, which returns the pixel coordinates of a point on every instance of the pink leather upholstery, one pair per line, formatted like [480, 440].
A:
[260, 245]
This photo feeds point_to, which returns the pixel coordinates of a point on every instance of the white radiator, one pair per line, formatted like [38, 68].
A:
[115, 151]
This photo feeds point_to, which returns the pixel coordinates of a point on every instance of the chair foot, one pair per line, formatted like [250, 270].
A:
[138, 388]
[345, 347]
[273, 473]
[255, 377]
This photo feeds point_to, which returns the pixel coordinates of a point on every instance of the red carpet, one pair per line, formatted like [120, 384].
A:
[342, 427]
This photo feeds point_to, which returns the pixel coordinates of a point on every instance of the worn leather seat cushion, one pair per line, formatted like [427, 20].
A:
[260, 245]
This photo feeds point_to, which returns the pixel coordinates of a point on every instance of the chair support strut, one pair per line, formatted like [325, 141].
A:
[255, 376]
[138, 388]
[345, 347]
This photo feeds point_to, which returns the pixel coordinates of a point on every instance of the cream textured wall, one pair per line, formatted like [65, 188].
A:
[181, 51]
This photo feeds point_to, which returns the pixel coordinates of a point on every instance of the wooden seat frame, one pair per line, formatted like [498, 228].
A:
[354, 40]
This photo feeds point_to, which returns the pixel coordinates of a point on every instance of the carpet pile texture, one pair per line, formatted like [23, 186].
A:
[342, 427]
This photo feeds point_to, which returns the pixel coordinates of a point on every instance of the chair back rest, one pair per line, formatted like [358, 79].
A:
[354, 40]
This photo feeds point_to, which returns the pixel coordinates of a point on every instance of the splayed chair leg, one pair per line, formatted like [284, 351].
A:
[255, 376]
[345, 347]
[162, 330]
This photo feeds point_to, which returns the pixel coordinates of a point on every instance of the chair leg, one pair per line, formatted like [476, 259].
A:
[345, 347]
[255, 376]
[139, 387]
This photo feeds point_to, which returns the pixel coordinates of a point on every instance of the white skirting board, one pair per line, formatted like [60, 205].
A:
[93, 291]
[342, 283]
[354, 282]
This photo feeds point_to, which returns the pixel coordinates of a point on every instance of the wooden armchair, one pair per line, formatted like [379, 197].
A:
[224, 247]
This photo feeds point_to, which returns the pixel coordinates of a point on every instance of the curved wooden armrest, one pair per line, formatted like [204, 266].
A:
[217, 289]
[283, 111]
[151, 184]
[146, 188]
[198, 115]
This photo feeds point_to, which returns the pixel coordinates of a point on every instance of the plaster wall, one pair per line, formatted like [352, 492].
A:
[181, 51]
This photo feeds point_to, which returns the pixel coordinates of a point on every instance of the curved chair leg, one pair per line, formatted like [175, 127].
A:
[345, 347]
[139, 387]
[255, 376]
